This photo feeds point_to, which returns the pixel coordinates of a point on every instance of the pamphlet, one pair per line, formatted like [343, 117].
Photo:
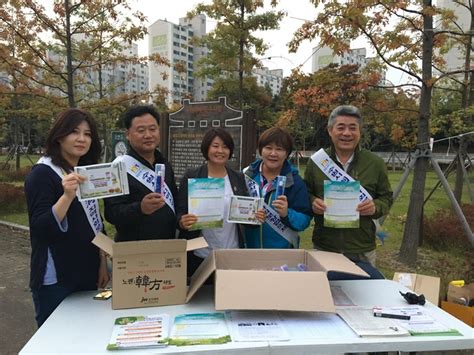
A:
[103, 180]
[341, 199]
[243, 209]
[256, 326]
[139, 332]
[199, 328]
[420, 321]
[206, 201]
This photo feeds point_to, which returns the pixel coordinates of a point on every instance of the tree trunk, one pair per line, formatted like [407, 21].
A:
[470, 100]
[459, 182]
[411, 234]
[69, 55]
[241, 53]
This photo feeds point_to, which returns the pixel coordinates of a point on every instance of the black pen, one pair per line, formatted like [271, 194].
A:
[391, 315]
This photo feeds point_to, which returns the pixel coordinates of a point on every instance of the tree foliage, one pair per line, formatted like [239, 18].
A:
[308, 100]
[61, 54]
[253, 96]
[232, 44]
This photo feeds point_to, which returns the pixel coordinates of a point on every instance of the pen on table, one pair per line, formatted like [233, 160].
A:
[390, 315]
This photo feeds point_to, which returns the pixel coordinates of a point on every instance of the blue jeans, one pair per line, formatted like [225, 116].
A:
[373, 272]
[47, 298]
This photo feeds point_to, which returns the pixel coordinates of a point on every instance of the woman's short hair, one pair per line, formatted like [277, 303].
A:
[278, 136]
[64, 125]
[209, 137]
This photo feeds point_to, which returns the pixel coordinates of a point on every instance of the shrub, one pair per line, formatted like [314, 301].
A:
[12, 198]
[14, 175]
[444, 231]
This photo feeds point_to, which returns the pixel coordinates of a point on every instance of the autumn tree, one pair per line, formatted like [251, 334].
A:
[252, 95]
[309, 99]
[232, 44]
[62, 53]
[403, 37]
[390, 118]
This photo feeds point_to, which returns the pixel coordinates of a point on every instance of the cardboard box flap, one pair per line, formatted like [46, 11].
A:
[150, 247]
[333, 262]
[273, 290]
[196, 243]
[257, 259]
[203, 272]
[420, 284]
[105, 243]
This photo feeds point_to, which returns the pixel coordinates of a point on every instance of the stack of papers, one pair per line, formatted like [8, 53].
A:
[369, 321]
[364, 324]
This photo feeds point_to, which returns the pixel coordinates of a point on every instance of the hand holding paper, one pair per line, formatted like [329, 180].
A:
[318, 206]
[71, 183]
[187, 221]
[366, 208]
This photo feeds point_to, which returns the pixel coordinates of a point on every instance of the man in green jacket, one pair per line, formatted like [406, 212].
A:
[358, 244]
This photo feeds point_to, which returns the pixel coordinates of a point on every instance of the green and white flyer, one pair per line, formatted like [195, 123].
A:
[206, 201]
[199, 328]
[341, 199]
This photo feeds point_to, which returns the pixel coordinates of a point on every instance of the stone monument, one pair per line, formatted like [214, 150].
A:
[182, 133]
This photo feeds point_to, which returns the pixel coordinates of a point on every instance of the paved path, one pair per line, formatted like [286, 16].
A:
[17, 323]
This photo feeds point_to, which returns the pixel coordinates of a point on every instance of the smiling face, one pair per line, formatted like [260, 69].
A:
[218, 152]
[273, 157]
[76, 144]
[144, 135]
[345, 134]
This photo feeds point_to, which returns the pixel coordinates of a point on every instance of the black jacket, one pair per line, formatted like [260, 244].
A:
[237, 181]
[76, 259]
[124, 212]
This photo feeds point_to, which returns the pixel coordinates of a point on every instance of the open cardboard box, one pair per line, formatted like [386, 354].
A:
[244, 279]
[454, 306]
[420, 284]
[149, 272]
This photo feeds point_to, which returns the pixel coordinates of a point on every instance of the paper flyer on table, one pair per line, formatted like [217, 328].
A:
[256, 326]
[102, 181]
[421, 322]
[341, 199]
[139, 332]
[206, 201]
[243, 209]
[315, 325]
[364, 324]
[199, 328]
